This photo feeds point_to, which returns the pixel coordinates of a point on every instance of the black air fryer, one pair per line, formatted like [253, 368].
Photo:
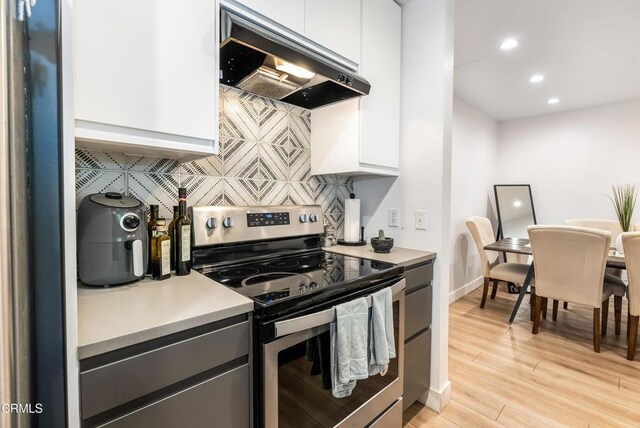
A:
[112, 239]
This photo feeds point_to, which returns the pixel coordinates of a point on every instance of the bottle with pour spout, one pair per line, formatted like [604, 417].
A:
[182, 234]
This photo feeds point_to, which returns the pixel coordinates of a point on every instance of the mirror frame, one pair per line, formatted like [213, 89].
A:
[499, 234]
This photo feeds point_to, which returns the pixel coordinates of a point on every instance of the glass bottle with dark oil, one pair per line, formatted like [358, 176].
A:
[160, 251]
[153, 216]
[183, 235]
[172, 235]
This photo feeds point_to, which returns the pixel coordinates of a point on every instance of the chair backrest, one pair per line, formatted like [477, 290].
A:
[631, 244]
[612, 226]
[482, 233]
[570, 262]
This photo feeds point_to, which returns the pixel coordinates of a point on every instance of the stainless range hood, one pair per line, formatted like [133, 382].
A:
[261, 61]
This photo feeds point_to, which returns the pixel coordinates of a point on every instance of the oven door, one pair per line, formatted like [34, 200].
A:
[297, 385]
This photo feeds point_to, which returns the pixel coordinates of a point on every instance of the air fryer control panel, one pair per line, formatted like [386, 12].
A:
[225, 225]
[130, 222]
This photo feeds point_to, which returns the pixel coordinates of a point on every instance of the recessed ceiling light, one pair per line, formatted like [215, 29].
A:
[553, 101]
[536, 78]
[509, 44]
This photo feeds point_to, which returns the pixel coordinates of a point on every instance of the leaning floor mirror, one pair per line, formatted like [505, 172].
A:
[514, 204]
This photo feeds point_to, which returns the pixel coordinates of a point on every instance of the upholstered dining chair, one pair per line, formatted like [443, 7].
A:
[631, 245]
[569, 266]
[482, 233]
[612, 226]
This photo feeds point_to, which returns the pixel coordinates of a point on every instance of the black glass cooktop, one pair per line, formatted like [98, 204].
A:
[295, 278]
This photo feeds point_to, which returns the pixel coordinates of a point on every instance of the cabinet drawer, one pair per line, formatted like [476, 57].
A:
[111, 385]
[417, 311]
[421, 275]
[391, 418]
[417, 365]
[222, 401]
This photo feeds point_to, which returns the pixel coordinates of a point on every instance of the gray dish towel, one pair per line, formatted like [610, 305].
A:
[348, 334]
[382, 346]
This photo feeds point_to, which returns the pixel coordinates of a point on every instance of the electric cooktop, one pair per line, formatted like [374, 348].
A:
[294, 276]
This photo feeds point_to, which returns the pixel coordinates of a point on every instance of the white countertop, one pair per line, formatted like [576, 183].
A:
[398, 255]
[119, 316]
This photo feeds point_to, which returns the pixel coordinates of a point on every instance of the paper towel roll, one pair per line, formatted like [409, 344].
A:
[352, 220]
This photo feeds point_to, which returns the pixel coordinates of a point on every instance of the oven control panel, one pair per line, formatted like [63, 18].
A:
[267, 219]
[216, 225]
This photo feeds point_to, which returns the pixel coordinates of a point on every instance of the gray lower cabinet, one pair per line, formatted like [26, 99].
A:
[417, 365]
[218, 402]
[417, 328]
[195, 378]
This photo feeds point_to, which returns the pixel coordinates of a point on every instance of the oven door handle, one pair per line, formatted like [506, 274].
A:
[306, 322]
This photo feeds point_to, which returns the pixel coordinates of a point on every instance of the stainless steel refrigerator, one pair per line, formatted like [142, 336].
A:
[32, 358]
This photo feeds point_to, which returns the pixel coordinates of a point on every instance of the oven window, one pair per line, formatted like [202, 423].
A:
[304, 384]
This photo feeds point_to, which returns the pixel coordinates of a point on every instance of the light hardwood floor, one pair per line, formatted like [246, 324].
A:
[506, 377]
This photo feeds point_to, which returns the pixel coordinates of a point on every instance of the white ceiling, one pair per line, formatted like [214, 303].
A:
[588, 51]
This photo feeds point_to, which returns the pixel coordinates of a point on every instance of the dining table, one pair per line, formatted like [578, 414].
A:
[523, 247]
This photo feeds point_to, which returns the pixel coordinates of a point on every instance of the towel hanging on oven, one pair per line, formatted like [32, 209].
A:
[382, 345]
[349, 334]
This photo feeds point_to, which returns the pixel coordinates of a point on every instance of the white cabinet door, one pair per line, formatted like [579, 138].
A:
[148, 69]
[335, 133]
[288, 13]
[362, 136]
[336, 25]
[380, 137]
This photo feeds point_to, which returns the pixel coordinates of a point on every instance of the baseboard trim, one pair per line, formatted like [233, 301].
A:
[465, 289]
[435, 400]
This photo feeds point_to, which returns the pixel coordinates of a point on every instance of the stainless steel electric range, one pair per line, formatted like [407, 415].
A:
[272, 255]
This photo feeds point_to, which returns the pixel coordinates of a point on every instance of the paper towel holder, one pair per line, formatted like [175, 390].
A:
[359, 243]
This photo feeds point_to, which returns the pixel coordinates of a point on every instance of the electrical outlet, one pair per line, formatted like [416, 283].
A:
[394, 217]
[421, 219]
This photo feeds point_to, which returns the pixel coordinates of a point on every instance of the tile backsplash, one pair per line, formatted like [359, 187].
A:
[264, 159]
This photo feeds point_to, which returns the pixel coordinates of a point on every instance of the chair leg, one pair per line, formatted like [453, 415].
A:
[545, 302]
[494, 289]
[633, 336]
[596, 329]
[565, 305]
[605, 316]
[617, 306]
[628, 324]
[537, 311]
[555, 309]
[485, 291]
[532, 302]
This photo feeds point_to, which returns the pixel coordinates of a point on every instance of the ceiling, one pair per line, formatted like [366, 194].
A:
[588, 51]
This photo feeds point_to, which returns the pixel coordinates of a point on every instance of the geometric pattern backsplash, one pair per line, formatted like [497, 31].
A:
[264, 159]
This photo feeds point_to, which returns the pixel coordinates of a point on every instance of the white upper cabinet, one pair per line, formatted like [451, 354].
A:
[362, 136]
[288, 13]
[381, 31]
[146, 76]
[336, 25]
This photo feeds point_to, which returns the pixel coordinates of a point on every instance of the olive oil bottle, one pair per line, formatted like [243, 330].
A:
[160, 251]
[172, 235]
[153, 217]
[183, 235]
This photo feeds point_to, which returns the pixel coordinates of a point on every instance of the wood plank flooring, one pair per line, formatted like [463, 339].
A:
[506, 377]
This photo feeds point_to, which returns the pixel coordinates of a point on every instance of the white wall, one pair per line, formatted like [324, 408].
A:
[425, 163]
[572, 158]
[473, 174]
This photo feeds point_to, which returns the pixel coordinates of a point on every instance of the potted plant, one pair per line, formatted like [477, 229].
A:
[624, 201]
